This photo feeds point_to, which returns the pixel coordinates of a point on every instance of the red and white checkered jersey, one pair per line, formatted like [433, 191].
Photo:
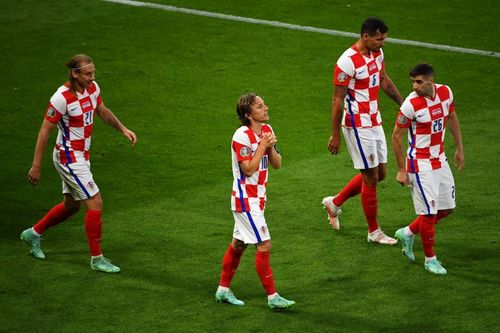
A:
[74, 116]
[426, 119]
[249, 193]
[361, 75]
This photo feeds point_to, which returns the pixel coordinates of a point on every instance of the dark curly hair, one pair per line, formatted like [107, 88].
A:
[373, 25]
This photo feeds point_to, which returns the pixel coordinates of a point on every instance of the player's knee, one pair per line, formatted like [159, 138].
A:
[381, 176]
[265, 246]
[370, 176]
[94, 203]
[70, 205]
[72, 208]
[238, 245]
[445, 212]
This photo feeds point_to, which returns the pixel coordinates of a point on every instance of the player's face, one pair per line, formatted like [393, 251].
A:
[422, 85]
[375, 42]
[85, 75]
[260, 111]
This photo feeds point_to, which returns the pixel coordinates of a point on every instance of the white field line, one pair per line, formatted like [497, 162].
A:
[301, 27]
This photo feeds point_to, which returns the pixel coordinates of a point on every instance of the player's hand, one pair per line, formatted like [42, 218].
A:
[268, 139]
[334, 144]
[34, 175]
[459, 159]
[130, 135]
[402, 178]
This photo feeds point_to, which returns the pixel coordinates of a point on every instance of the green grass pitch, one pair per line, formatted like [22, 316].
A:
[174, 79]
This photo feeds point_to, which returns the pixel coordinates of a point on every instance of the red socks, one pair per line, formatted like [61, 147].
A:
[93, 227]
[369, 203]
[415, 225]
[424, 224]
[230, 264]
[351, 189]
[427, 223]
[55, 216]
[368, 199]
[265, 272]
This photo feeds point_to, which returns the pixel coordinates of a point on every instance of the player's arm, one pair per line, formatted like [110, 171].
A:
[41, 144]
[397, 146]
[340, 92]
[249, 167]
[390, 88]
[454, 127]
[109, 118]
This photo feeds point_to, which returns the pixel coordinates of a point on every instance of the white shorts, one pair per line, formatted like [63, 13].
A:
[367, 146]
[433, 190]
[77, 180]
[250, 227]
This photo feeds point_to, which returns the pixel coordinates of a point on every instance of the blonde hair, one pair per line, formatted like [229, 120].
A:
[75, 64]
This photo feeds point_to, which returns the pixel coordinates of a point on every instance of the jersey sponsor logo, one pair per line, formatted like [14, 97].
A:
[342, 77]
[245, 151]
[437, 111]
[51, 112]
[361, 72]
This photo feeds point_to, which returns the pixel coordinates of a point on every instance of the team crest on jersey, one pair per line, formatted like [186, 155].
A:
[342, 77]
[245, 151]
[263, 229]
[51, 112]
[91, 184]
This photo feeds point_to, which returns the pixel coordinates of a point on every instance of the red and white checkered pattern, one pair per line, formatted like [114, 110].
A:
[249, 193]
[361, 75]
[427, 119]
[74, 116]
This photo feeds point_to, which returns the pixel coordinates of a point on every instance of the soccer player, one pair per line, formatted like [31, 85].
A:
[72, 109]
[358, 76]
[426, 112]
[253, 148]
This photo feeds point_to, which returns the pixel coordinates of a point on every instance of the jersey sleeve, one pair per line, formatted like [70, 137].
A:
[382, 65]
[241, 146]
[343, 72]
[56, 108]
[452, 102]
[98, 93]
[405, 115]
[402, 121]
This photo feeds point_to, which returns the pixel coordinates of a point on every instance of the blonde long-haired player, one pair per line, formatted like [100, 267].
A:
[72, 109]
